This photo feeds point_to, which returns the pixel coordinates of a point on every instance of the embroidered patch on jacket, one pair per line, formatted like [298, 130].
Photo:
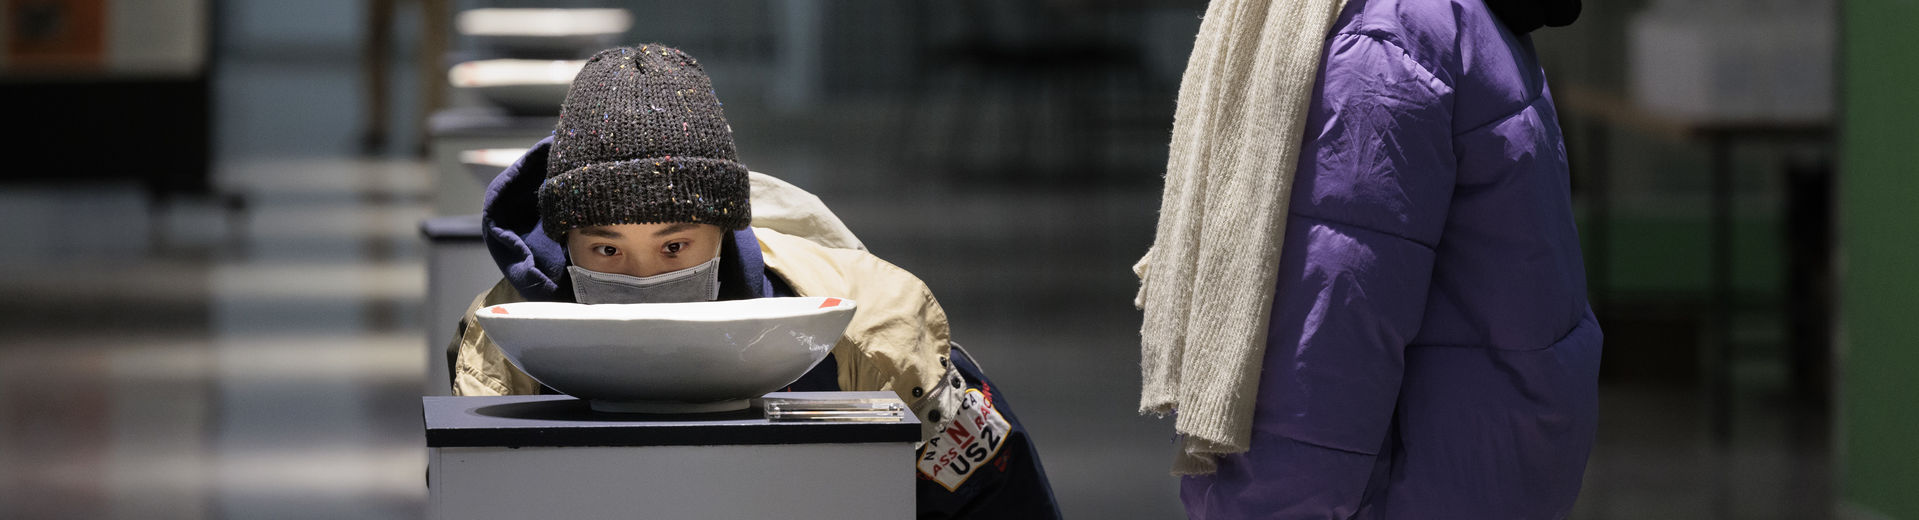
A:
[968, 441]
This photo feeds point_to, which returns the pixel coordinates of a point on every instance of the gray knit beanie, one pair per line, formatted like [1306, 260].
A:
[642, 140]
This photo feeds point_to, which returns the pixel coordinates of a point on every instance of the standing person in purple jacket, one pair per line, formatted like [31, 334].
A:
[1365, 297]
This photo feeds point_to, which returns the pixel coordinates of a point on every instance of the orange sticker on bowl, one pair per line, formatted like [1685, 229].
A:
[830, 302]
[499, 310]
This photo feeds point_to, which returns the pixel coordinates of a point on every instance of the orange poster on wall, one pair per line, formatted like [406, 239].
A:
[56, 33]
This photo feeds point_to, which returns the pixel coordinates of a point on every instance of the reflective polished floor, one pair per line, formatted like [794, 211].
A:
[188, 362]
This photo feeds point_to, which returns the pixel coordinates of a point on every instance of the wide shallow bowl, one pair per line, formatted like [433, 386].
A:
[668, 357]
[544, 32]
[486, 163]
[522, 87]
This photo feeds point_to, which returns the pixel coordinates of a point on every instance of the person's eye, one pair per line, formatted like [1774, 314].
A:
[674, 248]
[606, 250]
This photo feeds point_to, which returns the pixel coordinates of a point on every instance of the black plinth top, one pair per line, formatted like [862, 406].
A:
[490, 122]
[454, 227]
[558, 420]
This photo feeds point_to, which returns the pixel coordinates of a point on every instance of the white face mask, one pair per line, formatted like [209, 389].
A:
[700, 283]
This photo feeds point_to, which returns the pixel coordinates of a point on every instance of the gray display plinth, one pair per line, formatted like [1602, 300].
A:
[458, 270]
[518, 457]
[458, 190]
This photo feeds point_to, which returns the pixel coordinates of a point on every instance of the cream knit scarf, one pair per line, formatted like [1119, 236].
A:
[1206, 284]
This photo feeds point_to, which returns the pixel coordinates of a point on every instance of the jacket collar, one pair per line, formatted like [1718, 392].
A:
[1525, 16]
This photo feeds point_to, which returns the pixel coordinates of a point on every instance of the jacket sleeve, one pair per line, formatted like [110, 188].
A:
[899, 335]
[479, 368]
[1369, 200]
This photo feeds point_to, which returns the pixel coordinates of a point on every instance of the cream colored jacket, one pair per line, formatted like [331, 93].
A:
[898, 339]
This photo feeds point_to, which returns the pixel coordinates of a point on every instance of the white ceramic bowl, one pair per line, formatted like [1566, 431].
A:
[524, 87]
[543, 32]
[487, 163]
[668, 357]
[542, 21]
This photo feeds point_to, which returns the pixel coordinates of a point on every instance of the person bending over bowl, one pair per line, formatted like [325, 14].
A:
[638, 197]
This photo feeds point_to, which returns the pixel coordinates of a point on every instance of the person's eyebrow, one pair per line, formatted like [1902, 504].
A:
[601, 232]
[683, 226]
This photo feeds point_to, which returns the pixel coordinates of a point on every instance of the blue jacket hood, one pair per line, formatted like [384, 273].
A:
[536, 265]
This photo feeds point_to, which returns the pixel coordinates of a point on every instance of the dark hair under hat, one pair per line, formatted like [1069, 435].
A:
[641, 140]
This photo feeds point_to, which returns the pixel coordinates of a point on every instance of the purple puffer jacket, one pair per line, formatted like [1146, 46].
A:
[1431, 353]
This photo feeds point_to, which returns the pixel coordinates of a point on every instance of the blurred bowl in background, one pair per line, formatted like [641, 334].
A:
[531, 32]
[668, 357]
[487, 163]
[521, 87]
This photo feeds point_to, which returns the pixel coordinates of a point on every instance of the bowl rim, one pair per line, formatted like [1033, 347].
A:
[542, 21]
[609, 312]
[507, 72]
[492, 157]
